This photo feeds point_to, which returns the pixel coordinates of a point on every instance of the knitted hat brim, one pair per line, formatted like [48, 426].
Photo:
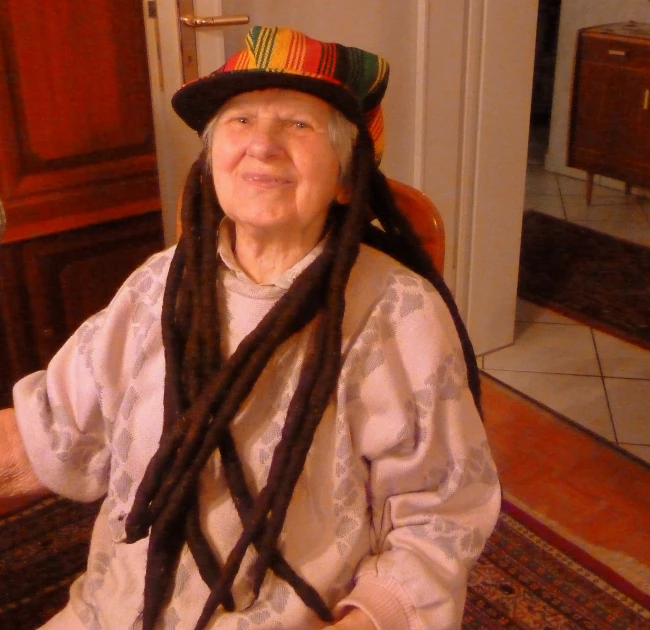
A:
[197, 102]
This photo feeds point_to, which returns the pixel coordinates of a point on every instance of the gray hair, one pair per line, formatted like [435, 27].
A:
[342, 133]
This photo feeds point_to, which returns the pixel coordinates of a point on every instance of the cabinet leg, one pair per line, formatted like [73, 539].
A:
[590, 187]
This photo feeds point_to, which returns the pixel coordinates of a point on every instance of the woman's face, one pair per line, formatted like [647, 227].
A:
[274, 168]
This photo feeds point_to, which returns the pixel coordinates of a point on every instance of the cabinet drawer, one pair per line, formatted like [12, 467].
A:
[619, 51]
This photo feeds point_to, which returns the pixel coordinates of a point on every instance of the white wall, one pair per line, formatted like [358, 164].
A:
[577, 14]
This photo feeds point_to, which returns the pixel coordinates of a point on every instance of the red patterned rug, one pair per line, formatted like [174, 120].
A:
[531, 578]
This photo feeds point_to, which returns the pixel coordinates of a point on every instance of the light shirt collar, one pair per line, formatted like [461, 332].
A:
[283, 281]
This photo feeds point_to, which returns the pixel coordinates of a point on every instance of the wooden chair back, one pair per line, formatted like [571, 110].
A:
[425, 219]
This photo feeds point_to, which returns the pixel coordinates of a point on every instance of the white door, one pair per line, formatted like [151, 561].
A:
[492, 140]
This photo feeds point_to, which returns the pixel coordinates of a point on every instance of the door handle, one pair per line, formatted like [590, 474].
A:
[222, 20]
[187, 32]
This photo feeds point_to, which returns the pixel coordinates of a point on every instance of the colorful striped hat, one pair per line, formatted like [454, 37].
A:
[352, 80]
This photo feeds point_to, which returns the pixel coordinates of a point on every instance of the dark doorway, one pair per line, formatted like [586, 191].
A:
[548, 22]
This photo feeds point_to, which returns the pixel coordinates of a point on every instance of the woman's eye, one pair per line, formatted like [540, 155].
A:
[236, 119]
[299, 124]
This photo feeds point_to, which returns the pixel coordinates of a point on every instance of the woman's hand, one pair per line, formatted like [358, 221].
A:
[19, 486]
[356, 619]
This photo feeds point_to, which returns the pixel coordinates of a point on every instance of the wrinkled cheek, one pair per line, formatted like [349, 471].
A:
[223, 187]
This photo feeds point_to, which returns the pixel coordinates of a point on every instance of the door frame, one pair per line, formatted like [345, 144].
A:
[475, 164]
[177, 145]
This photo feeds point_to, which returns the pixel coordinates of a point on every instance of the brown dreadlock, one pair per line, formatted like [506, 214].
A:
[203, 393]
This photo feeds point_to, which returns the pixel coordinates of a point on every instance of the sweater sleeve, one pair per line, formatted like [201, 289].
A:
[433, 490]
[61, 422]
[67, 413]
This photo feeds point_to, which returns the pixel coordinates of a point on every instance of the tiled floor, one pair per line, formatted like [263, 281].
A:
[596, 380]
[611, 211]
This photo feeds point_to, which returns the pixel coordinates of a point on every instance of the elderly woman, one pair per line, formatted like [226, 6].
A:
[282, 411]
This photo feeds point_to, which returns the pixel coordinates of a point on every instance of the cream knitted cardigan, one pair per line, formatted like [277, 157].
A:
[398, 494]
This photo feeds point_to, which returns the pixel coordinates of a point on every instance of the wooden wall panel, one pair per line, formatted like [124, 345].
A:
[74, 274]
[77, 86]
[51, 285]
[76, 131]
[6, 382]
[17, 350]
[78, 173]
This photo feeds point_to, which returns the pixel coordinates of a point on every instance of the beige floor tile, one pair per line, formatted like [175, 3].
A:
[579, 398]
[604, 209]
[548, 204]
[574, 186]
[529, 312]
[642, 452]
[621, 359]
[541, 182]
[628, 400]
[553, 348]
[549, 348]
[640, 237]
[617, 184]
[571, 186]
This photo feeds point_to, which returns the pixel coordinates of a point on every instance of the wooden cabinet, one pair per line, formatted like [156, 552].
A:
[78, 174]
[51, 284]
[610, 112]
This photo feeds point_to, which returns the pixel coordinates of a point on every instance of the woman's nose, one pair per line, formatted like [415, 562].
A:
[265, 141]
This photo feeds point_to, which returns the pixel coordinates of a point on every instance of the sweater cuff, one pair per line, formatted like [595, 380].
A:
[384, 602]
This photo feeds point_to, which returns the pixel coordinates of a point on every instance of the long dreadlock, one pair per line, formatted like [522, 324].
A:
[203, 393]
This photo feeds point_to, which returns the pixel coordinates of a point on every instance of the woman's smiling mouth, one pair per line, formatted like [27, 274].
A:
[266, 180]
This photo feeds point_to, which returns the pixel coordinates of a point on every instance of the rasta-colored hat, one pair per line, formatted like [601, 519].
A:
[352, 80]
